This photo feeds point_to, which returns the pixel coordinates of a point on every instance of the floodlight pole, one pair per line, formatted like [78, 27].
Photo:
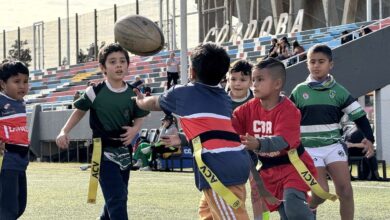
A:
[369, 10]
[183, 42]
[173, 25]
[137, 7]
[161, 15]
[67, 33]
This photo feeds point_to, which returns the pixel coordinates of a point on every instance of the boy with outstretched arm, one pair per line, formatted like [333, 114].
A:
[14, 143]
[204, 108]
[115, 119]
[269, 125]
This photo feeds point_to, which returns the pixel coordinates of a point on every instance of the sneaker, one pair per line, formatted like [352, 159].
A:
[147, 168]
[138, 164]
[85, 167]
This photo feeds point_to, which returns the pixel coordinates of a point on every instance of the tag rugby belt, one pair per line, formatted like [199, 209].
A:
[21, 150]
[292, 157]
[230, 198]
[95, 170]
[268, 162]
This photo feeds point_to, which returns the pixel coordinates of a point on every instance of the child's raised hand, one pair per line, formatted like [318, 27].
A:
[62, 140]
[129, 135]
[250, 142]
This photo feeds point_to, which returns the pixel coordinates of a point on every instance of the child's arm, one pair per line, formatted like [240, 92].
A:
[357, 145]
[364, 125]
[264, 144]
[149, 103]
[62, 138]
[131, 132]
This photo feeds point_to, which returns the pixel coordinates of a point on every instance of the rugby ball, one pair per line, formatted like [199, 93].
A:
[139, 35]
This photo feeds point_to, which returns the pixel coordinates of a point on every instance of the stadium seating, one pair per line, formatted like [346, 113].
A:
[56, 86]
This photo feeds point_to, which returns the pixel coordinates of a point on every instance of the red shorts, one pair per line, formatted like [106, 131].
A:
[278, 178]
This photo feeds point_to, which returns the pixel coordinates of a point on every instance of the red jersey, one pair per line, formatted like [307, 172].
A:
[13, 121]
[281, 121]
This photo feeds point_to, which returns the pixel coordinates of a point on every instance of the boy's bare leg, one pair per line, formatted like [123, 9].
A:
[323, 181]
[339, 172]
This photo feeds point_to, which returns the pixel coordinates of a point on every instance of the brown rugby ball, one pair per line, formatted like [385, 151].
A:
[139, 35]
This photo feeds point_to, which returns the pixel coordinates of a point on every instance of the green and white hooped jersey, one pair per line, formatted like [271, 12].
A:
[321, 111]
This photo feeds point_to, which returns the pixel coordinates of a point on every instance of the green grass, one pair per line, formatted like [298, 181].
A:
[58, 191]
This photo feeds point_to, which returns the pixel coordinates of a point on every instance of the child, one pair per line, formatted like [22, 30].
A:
[205, 110]
[269, 124]
[14, 141]
[322, 103]
[116, 119]
[239, 80]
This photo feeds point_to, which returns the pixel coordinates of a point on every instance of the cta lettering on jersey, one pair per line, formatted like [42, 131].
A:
[262, 128]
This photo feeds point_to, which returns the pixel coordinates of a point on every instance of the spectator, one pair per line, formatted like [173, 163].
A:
[172, 70]
[138, 83]
[151, 151]
[284, 49]
[364, 31]
[273, 51]
[75, 97]
[346, 37]
[368, 169]
[90, 83]
[148, 91]
[297, 49]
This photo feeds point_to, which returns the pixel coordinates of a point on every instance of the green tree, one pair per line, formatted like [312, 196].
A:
[25, 54]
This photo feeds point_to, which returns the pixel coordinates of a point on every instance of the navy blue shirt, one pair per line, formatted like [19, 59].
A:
[202, 108]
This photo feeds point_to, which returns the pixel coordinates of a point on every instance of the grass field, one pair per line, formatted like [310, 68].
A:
[58, 191]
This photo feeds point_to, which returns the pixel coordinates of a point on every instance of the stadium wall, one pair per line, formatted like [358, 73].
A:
[44, 126]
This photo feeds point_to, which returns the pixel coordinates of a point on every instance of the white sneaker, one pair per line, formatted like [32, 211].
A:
[138, 164]
[147, 168]
[85, 167]
[146, 150]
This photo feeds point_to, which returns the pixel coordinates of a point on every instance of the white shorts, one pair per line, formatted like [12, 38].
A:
[322, 156]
